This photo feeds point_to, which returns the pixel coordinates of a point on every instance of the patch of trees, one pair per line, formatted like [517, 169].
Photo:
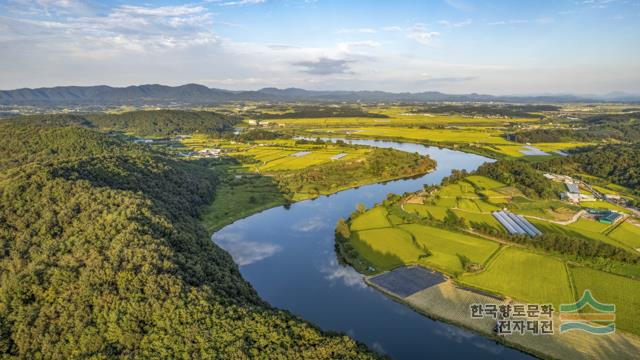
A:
[520, 174]
[102, 256]
[623, 127]
[377, 164]
[142, 123]
[564, 244]
[317, 111]
[549, 135]
[258, 134]
[502, 110]
[619, 163]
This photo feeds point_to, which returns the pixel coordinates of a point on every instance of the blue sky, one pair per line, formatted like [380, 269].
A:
[456, 46]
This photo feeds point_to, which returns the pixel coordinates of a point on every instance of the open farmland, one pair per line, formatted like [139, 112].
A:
[612, 289]
[525, 276]
[386, 248]
[448, 247]
[372, 219]
[471, 135]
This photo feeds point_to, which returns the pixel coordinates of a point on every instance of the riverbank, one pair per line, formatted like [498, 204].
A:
[451, 303]
[288, 255]
[244, 193]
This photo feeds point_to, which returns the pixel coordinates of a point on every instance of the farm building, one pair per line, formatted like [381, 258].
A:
[301, 154]
[209, 152]
[573, 188]
[610, 218]
[605, 216]
[516, 224]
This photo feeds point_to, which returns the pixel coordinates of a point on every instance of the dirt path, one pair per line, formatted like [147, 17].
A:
[575, 218]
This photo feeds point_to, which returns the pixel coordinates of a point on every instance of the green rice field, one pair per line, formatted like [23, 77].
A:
[524, 276]
[608, 288]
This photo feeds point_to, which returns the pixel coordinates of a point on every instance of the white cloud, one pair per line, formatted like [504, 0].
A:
[242, 2]
[160, 11]
[392, 28]
[539, 20]
[454, 24]
[420, 34]
[357, 31]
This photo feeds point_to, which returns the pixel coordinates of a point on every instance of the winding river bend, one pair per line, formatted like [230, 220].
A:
[288, 256]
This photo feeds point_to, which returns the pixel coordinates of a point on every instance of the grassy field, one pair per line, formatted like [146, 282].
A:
[484, 182]
[594, 231]
[627, 234]
[525, 276]
[446, 247]
[371, 219]
[612, 289]
[386, 248]
[451, 303]
[240, 194]
[471, 135]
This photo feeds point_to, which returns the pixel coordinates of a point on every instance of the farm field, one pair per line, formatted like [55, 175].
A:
[518, 150]
[451, 303]
[241, 194]
[525, 276]
[399, 116]
[386, 248]
[612, 289]
[627, 234]
[447, 247]
[471, 135]
[371, 219]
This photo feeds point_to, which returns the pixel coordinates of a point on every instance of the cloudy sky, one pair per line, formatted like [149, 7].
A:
[456, 46]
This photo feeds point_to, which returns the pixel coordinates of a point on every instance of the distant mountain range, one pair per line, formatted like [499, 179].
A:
[194, 94]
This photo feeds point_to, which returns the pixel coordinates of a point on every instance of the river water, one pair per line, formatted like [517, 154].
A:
[288, 256]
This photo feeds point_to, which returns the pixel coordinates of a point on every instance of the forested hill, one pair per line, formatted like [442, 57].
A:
[198, 94]
[143, 123]
[102, 255]
[617, 163]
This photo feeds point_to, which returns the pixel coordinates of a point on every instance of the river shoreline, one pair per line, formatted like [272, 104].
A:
[394, 342]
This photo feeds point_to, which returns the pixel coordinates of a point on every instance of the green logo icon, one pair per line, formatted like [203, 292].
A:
[571, 317]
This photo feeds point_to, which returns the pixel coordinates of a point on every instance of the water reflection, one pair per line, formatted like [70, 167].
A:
[245, 252]
[288, 256]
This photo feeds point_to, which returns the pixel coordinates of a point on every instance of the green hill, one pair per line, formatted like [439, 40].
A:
[143, 123]
[102, 255]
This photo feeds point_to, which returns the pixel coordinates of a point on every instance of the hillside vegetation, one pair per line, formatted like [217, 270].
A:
[142, 123]
[102, 255]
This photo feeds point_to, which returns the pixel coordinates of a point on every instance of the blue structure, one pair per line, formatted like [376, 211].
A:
[516, 224]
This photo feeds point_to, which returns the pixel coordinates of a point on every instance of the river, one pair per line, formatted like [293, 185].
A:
[288, 256]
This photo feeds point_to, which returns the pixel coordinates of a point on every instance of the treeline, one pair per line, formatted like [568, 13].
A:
[505, 110]
[623, 127]
[102, 256]
[142, 123]
[619, 163]
[520, 174]
[564, 244]
[316, 111]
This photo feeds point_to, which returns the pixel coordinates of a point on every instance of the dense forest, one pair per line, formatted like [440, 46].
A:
[142, 123]
[622, 127]
[102, 255]
[618, 163]
[520, 174]
[514, 111]
[315, 111]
